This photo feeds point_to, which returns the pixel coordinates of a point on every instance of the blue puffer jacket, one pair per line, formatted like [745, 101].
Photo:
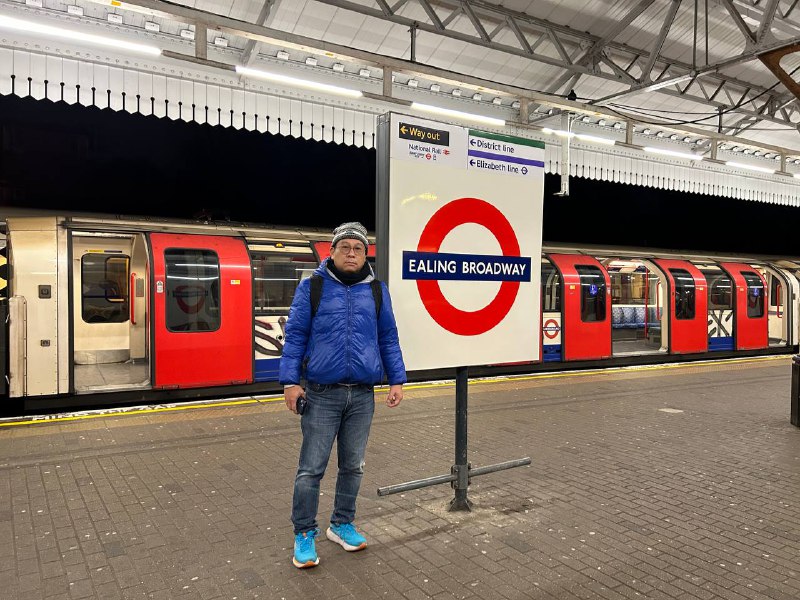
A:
[345, 342]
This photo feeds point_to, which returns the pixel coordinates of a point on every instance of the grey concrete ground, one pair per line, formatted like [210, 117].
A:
[660, 483]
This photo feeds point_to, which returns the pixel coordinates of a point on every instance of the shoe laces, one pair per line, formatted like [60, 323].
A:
[306, 540]
[346, 529]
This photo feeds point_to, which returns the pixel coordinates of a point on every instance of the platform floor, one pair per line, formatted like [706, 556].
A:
[677, 482]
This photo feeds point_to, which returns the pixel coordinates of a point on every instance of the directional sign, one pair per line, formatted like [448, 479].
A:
[503, 154]
[463, 211]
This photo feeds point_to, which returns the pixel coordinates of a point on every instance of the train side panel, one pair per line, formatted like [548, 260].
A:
[35, 345]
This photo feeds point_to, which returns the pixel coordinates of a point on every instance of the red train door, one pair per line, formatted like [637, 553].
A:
[203, 314]
[688, 306]
[749, 307]
[586, 308]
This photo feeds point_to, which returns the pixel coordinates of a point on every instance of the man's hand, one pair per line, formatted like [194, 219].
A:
[291, 394]
[395, 395]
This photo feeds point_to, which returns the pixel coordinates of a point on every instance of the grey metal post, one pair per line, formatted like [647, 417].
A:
[461, 466]
[795, 400]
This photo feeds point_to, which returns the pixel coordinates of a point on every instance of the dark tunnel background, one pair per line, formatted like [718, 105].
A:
[72, 158]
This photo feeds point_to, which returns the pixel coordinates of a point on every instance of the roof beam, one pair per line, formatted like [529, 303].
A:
[766, 20]
[251, 47]
[738, 21]
[662, 36]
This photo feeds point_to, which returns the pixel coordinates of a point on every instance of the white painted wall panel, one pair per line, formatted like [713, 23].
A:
[237, 106]
[174, 108]
[38, 75]
[116, 83]
[200, 101]
[159, 94]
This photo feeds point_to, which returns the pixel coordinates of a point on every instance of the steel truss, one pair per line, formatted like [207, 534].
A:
[581, 54]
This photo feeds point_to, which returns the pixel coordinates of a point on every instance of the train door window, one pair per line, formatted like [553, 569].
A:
[593, 293]
[104, 287]
[719, 290]
[684, 293]
[193, 290]
[276, 276]
[551, 288]
[755, 295]
[775, 291]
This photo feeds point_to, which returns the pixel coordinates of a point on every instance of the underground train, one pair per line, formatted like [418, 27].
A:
[102, 310]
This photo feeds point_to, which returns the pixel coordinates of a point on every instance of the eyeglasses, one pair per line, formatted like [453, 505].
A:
[347, 249]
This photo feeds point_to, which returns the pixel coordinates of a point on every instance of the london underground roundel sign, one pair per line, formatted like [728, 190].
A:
[459, 228]
[448, 217]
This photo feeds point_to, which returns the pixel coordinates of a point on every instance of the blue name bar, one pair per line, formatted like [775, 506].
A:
[465, 267]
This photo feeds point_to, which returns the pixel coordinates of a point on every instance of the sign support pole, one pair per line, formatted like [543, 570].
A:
[461, 466]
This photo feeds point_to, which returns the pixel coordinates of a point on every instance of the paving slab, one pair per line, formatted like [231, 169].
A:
[676, 481]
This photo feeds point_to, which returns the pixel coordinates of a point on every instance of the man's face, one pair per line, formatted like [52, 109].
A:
[349, 256]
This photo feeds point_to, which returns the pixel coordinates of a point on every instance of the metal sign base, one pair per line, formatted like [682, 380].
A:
[461, 472]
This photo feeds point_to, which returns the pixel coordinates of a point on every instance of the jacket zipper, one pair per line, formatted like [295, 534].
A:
[349, 332]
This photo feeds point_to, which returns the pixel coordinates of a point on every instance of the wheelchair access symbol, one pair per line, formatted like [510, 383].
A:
[510, 268]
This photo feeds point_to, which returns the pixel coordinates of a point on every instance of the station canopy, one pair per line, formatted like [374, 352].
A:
[692, 95]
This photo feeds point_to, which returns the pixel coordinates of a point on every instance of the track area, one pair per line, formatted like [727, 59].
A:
[675, 481]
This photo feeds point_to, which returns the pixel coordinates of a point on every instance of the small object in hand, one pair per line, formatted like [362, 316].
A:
[301, 405]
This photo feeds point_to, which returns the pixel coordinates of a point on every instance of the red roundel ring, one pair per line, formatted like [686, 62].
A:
[551, 327]
[448, 217]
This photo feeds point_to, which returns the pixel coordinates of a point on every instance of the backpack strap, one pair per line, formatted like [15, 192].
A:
[316, 293]
[377, 295]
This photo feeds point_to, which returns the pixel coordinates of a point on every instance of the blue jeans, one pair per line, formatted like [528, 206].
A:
[333, 412]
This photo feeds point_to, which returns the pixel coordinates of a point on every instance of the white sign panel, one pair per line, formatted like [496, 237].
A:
[465, 238]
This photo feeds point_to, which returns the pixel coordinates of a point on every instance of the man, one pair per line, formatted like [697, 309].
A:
[341, 347]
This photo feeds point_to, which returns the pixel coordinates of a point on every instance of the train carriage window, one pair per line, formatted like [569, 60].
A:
[193, 290]
[551, 288]
[755, 295]
[104, 287]
[684, 294]
[276, 277]
[593, 293]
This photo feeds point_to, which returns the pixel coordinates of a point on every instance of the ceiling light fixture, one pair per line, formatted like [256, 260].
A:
[31, 27]
[667, 82]
[447, 112]
[739, 165]
[595, 139]
[673, 153]
[294, 81]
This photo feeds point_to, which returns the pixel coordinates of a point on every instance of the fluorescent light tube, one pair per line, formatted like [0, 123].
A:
[294, 81]
[668, 82]
[558, 132]
[58, 32]
[739, 165]
[595, 139]
[458, 114]
[674, 153]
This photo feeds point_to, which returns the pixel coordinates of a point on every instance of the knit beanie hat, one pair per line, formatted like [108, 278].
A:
[350, 231]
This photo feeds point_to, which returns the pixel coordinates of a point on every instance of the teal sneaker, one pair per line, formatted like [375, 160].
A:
[347, 537]
[305, 552]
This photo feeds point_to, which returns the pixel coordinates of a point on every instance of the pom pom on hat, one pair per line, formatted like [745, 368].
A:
[350, 231]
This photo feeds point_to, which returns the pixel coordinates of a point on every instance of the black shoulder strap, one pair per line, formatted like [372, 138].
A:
[316, 293]
[377, 295]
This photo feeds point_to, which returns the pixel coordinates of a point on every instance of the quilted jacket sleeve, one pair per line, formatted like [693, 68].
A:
[298, 330]
[389, 342]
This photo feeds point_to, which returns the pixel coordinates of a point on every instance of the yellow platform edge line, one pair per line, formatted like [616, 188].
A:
[421, 386]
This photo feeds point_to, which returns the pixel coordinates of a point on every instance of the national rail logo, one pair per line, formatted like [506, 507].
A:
[427, 265]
